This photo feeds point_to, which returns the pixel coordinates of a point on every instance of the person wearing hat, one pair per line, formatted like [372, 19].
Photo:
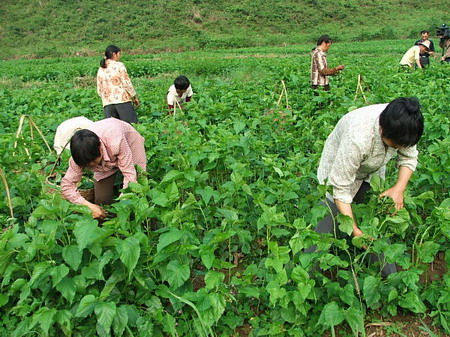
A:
[413, 54]
[425, 57]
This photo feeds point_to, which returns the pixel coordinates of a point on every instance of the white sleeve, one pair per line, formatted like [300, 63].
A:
[189, 91]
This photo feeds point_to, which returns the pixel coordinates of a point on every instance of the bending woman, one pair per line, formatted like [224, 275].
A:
[115, 88]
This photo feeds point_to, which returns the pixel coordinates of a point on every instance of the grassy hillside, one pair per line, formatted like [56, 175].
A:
[41, 28]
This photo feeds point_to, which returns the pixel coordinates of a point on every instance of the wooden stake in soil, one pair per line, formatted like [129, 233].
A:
[360, 88]
[175, 107]
[283, 93]
[8, 196]
[32, 125]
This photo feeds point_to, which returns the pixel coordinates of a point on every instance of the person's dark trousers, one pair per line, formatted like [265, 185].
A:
[330, 225]
[424, 61]
[123, 111]
[104, 190]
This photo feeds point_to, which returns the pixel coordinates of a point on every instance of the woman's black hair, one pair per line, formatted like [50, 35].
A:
[110, 50]
[85, 147]
[324, 38]
[181, 83]
[402, 121]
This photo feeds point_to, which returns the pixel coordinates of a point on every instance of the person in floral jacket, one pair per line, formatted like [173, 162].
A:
[115, 88]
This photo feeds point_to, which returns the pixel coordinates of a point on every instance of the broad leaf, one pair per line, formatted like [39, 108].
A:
[371, 291]
[72, 256]
[129, 251]
[67, 287]
[331, 315]
[86, 306]
[105, 312]
[176, 273]
[58, 273]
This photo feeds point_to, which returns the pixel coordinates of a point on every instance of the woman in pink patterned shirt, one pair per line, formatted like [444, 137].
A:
[104, 148]
[115, 88]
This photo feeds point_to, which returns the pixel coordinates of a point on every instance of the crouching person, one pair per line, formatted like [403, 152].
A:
[360, 145]
[108, 146]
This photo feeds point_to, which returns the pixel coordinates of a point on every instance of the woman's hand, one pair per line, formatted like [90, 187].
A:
[397, 195]
[97, 211]
[136, 102]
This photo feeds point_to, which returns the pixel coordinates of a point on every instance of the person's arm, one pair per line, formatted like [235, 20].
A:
[446, 53]
[346, 209]
[170, 101]
[99, 84]
[69, 189]
[324, 70]
[128, 86]
[125, 163]
[407, 163]
[418, 63]
[397, 191]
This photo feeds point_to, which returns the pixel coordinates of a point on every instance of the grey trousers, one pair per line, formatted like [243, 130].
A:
[122, 111]
[327, 226]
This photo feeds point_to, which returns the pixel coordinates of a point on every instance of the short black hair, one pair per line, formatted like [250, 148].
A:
[181, 83]
[324, 38]
[85, 147]
[424, 31]
[402, 121]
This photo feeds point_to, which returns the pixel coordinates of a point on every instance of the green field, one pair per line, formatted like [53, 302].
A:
[53, 28]
[209, 241]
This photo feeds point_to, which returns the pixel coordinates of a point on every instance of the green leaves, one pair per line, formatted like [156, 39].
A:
[105, 312]
[72, 256]
[129, 251]
[176, 274]
[371, 291]
[86, 231]
[58, 273]
[331, 315]
[168, 238]
[86, 306]
[345, 223]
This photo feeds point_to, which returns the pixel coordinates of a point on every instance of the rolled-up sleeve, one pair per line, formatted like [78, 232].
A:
[70, 181]
[342, 176]
[408, 157]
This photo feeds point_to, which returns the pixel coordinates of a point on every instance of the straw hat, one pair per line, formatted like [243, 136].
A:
[426, 44]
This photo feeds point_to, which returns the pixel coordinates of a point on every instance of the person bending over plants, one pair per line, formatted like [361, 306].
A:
[115, 88]
[361, 144]
[108, 146]
[179, 92]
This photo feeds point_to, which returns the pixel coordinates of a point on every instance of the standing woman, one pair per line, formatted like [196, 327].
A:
[115, 88]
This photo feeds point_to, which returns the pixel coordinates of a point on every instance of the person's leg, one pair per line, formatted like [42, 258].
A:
[361, 194]
[126, 112]
[110, 111]
[327, 225]
[104, 190]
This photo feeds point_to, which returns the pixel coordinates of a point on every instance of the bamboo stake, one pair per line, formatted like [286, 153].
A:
[47, 181]
[8, 196]
[175, 107]
[283, 93]
[32, 125]
[360, 88]
[40, 133]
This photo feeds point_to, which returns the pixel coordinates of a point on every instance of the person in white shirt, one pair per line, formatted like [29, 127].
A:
[179, 92]
[66, 130]
[413, 54]
[361, 144]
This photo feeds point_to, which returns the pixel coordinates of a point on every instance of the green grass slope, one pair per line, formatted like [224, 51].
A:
[43, 28]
